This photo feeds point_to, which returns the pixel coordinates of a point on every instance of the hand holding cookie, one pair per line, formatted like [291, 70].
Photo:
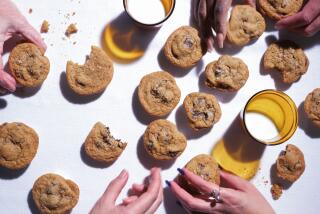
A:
[210, 14]
[146, 198]
[305, 22]
[13, 22]
[237, 195]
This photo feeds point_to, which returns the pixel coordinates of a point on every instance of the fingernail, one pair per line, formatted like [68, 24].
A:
[180, 171]
[123, 174]
[168, 183]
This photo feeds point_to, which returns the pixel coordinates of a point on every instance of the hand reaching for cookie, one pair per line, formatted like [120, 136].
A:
[146, 198]
[236, 197]
[212, 14]
[13, 22]
[306, 22]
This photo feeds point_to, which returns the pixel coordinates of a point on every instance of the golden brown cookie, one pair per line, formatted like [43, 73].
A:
[163, 141]
[204, 166]
[203, 110]
[55, 195]
[279, 9]
[28, 65]
[245, 24]
[158, 93]
[290, 163]
[287, 58]
[18, 145]
[227, 73]
[276, 191]
[100, 145]
[94, 76]
[312, 106]
[184, 48]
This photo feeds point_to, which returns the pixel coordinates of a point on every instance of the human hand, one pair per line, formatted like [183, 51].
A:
[238, 196]
[210, 14]
[305, 22]
[146, 198]
[13, 22]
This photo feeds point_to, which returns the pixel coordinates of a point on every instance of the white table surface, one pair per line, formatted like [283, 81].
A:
[63, 120]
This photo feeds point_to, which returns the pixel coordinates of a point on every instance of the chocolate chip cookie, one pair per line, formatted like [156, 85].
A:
[203, 110]
[158, 93]
[53, 194]
[100, 145]
[279, 9]
[163, 141]
[94, 76]
[226, 74]
[312, 106]
[290, 163]
[287, 58]
[184, 48]
[18, 145]
[28, 65]
[204, 166]
[245, 24]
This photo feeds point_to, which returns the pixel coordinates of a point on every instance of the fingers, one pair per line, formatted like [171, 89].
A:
[220, 20]
[113, 190]
[157, 203]
[129, 200]
[31, 34]
[311, 29]
[202, 185]
[145, 201]
[204, 24]
[195, 6]
[138, 188]
[234, 182]
[302, 18]
[192, 203]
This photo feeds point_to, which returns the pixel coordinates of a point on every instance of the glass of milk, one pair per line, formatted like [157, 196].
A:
[270, 117]
[149, 13]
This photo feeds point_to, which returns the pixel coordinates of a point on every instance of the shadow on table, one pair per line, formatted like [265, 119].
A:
[147, 161]
[141, 115]
[183, 125]
[9, 174]
[222, 96]
[304, 42]
[71, 96]
[171, 203]
[93, 163]
[306, 124]
[32, 206]
[125, 41]
[3, 104]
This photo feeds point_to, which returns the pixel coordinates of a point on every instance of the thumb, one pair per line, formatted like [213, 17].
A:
[6, 80]
[113, 190]
[32, 34]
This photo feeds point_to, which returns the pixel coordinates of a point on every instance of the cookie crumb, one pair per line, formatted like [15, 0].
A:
[71, 30]
[74, 43]
[45, 27]
[276, 191]
[30, 10]
[73, 13]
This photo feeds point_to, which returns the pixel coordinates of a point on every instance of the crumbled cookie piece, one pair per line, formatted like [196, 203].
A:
[72, 28]
[290, 164]
[30, 10]
[45, 27]
[276, 191]
[100, 145]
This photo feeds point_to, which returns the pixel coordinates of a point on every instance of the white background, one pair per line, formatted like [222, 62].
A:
[63, 120]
